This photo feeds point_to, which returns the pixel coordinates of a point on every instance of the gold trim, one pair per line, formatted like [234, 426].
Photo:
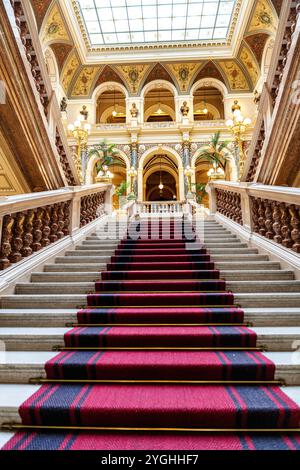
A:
[156, 348]
[196, 382]
[82, 325]
[12, 426]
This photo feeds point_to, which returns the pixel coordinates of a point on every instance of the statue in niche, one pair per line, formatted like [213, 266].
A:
[63, 105]
[134, 111]
[84, 112]
[184, 109]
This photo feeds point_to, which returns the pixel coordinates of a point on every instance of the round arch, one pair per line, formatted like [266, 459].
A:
[265, 63]
[156, 84]
[232, 167]
[108, 112]
[164, 107]
[213, 110]
[209, 82]
[107, 86]
[94, 160]
[163, 149]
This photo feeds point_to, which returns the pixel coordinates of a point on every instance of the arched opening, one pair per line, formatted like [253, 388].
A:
[160, 178]
[208, 104]
[111, 107]
[159, 106]
[201, 179]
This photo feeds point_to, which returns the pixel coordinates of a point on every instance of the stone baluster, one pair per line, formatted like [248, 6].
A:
[295, 223]
[28, 237]
[60, 222]
[46, 227]
[261, 217]
[37, 229]
[6, 247]
[67, 212]
[277, 222]
[286, 226]
[254, 214]
[269, 220]
[54, 224]
[17, 238]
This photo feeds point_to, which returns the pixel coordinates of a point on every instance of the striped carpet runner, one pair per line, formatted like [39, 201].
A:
[160, 359]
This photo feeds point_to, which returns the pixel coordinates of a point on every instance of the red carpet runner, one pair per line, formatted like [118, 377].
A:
[165, 298]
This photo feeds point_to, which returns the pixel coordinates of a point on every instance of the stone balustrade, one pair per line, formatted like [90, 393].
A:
[32, 222]
[229, 204]
[273, 212]
[160, 208]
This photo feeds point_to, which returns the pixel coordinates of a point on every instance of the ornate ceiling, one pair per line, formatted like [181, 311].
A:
[80, 75]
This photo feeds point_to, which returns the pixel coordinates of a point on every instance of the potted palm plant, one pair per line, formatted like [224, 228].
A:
[216, 153]
[106, 153]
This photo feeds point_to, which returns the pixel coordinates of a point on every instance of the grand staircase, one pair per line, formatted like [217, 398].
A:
[160, 345]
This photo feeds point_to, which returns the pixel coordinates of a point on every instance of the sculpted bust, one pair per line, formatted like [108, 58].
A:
[184, 109]
[134, 110]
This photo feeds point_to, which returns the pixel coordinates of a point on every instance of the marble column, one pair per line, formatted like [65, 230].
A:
[134, 163]
[186, 162]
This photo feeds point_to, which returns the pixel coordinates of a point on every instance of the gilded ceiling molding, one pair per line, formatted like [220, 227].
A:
[54, 27]
[183, 73]
[158, 72]
[210, 69]
[235, 75]
[158, 46]
[40, 8]
[61, 52]
[69, 70]
[250, 64]
[264, 18]
[133, 75]
[257, 43]
[84, 83]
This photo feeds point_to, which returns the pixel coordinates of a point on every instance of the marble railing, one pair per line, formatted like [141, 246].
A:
[277, 88]
[32, 222]
[160, 208]
[273, 212]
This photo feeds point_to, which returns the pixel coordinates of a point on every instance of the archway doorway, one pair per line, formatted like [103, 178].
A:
[160, 178]
[159, 106]
[111, 107]
[208, 104]
[161, 186]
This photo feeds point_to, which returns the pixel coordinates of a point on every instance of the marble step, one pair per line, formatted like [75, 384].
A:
[73, 258]
[44, 339]
[13, 395]
[213, 251]
[79, 267]
[250, 265]
[266, 299]
[86, 287]
[59, 317]
[237, 275]
[19, 367]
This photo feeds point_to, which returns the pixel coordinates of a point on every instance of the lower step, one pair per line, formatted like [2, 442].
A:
[21, 367]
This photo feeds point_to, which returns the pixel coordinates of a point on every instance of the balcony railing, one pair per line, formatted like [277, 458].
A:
[160, 208]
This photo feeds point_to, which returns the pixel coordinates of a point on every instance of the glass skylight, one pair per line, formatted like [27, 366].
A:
[119, 22]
